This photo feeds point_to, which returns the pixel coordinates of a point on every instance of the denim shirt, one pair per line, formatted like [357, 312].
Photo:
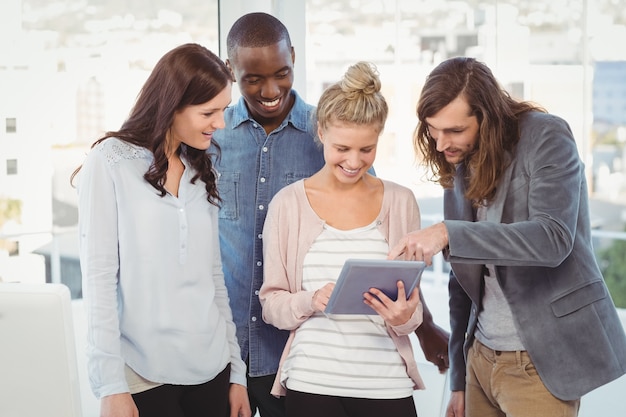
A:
[252, 168]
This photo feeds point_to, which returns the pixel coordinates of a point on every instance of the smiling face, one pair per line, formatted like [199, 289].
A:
[194, 125]
[265, 78]
[349, 150]
[455, 130]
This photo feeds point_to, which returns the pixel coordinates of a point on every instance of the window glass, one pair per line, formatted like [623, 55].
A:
[69, 71]
[11, 166]
[562, 54]
[11, 125]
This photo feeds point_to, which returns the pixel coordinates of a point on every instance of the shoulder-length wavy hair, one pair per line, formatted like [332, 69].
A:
[187, 75]
[498, 120]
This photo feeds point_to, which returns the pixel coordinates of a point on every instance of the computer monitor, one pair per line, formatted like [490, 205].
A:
[38, 368]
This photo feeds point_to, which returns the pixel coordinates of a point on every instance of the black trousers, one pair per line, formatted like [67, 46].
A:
[204, 400]
[260, 398]
[302, 404]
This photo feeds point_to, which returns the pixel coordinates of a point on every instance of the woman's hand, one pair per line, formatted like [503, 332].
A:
[118, 405]
[239, 402]
[321, 297]
[395, 313]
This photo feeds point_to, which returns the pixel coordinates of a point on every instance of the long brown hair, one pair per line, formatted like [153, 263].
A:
[187, 75]
[498, 120]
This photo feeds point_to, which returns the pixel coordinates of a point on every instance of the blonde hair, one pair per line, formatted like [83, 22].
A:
[355, 99]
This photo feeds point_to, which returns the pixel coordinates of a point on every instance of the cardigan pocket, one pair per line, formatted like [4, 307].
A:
[578, 298]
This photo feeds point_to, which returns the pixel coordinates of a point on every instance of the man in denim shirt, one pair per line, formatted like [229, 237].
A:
[268, 142]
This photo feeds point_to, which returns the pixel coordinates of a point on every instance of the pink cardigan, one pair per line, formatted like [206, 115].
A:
[290, 229]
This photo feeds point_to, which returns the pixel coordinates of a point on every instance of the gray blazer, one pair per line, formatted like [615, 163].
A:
[537, 234]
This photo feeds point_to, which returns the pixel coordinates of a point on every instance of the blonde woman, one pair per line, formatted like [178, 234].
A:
[341, 365]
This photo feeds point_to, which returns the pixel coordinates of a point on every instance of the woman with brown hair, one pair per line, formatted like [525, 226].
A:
[161, 340]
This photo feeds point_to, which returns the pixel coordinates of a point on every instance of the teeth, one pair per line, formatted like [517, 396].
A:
[270, 103]
[351, 171]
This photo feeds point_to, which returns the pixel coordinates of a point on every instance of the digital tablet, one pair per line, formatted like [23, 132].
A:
[359, 275]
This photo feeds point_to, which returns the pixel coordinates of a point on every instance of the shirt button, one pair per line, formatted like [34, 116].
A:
[261, 207]
[253, 319]
[260, 236]
[265, 149]
[256, 292]
[262, 179]
[259, 263]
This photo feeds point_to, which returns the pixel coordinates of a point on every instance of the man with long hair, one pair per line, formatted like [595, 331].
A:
[533, 325]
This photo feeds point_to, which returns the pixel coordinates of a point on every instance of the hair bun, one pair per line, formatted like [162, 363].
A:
[360, 78]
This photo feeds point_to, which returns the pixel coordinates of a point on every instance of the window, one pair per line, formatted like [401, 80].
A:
[11, 125]
[562, 57]
[70, 71]
[11, 166]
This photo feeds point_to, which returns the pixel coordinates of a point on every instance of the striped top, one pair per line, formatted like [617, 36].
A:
[344, 355]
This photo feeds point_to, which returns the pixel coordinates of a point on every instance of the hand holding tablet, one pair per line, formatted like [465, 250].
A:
[359, 275]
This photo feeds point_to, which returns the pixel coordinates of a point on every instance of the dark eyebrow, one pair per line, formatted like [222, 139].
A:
[213, 109]
[252, 75]
[283, 69]
[447, 129]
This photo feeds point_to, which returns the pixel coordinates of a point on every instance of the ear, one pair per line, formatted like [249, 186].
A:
[230, 68]
[293, 55]
[319, 133]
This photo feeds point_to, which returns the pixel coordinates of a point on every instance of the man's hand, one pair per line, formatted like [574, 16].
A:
[422, 245]
[456, 405]
[434, 342]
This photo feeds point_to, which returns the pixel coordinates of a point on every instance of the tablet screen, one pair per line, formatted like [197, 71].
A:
[359, 275]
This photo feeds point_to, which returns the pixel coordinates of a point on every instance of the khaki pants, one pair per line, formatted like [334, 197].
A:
[503, 384]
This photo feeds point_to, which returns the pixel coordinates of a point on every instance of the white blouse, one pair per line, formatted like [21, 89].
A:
[152, 276]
